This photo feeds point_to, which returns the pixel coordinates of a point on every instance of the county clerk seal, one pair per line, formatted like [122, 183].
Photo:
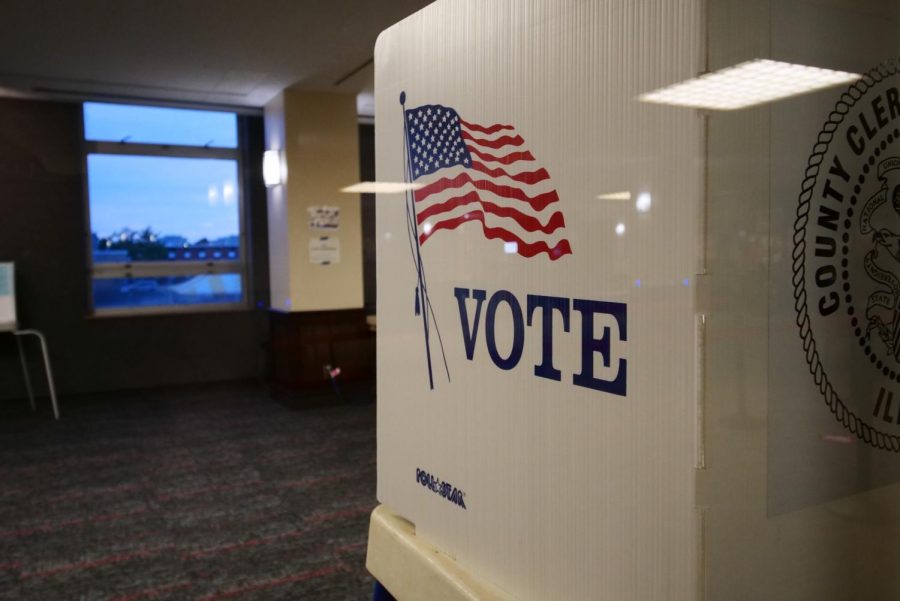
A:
[846, 259]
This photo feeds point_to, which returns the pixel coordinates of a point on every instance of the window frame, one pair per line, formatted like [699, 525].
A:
[148, 269]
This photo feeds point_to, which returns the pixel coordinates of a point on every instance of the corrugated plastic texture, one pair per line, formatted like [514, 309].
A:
[571, 493]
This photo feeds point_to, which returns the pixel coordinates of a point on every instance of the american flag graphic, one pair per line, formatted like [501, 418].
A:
[481, 173]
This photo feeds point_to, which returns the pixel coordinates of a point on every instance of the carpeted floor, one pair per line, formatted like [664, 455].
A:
[203, 493]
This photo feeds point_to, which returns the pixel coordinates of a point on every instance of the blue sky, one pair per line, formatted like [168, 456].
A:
[194, 198]
[156, 125]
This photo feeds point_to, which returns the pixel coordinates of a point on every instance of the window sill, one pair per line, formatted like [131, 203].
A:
[186, 310]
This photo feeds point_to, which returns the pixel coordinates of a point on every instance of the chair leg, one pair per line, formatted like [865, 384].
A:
[25, 372]
[50, 383]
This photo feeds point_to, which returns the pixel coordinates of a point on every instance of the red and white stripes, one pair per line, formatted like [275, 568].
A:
[503, 189]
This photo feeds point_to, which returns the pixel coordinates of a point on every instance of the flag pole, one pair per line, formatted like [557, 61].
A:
[422, 303]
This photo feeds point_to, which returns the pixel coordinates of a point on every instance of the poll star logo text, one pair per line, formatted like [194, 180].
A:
[445, 490]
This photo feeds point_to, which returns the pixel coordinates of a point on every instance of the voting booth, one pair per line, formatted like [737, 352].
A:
[7, 298]
[9, 323]
[639, 340]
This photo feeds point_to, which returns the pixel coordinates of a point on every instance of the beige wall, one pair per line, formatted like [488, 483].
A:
[318, 135]
[279, 267]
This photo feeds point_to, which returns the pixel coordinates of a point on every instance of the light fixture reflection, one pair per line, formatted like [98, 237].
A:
[380, 188]
[643, 202]
[510, 248]
[620, 229]
[615, 196]
[748, 84]
[228, 193]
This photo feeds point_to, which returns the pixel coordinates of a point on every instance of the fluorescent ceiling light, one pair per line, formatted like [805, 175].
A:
[748, 84]
[380, 187]
[615, 196]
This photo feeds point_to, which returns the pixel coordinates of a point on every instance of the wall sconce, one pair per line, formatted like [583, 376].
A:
[272, 168]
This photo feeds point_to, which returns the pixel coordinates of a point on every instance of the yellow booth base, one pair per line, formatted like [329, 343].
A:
[412, 570]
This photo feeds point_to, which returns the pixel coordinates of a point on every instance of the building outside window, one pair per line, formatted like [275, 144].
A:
[164, 206]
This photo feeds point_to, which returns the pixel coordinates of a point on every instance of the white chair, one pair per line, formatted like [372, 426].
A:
[9, 323]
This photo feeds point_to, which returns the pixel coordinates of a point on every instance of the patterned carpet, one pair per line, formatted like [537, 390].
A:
[204, 494]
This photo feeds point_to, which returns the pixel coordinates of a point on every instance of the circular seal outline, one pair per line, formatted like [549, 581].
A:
[851, 421]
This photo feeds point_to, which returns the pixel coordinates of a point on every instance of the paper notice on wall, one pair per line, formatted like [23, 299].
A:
[324, 217]
[325, 250]
[7, 298]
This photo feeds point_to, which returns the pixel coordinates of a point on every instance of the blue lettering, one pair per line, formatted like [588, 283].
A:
[548, 304]
[606, 345]
[518, 344]
[591, 345]
[469, 335]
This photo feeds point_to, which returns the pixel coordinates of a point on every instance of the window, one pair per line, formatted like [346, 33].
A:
[164, 205]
